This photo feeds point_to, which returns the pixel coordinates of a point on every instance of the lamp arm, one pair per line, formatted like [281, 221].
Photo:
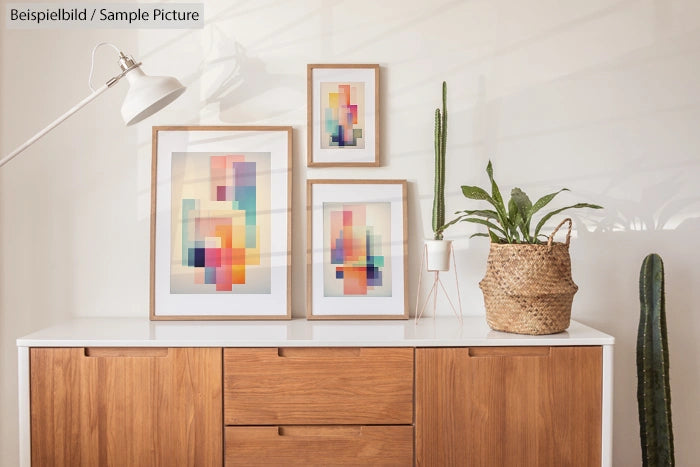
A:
[134, 110]
[59, 120]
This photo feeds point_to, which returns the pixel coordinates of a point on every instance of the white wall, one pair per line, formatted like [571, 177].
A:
[600, 96]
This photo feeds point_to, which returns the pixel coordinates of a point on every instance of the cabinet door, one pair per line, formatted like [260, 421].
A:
[498, 406]
[126, 406]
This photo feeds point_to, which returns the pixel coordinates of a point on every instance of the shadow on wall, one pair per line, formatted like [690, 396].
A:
[230, 77]
[660, 206]
[606, 262]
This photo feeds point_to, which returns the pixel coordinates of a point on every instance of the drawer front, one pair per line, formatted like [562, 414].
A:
[316, 386]
[319, 445]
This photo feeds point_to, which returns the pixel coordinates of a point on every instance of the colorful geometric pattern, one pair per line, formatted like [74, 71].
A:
[341, 117]
[219, 244]
[357, 250]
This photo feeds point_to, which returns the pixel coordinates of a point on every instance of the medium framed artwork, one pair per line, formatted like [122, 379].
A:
[343, 115]
[356, 249]
[220, 222]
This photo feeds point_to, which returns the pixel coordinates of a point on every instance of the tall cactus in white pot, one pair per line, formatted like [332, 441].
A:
[438, 249]
[437, 252]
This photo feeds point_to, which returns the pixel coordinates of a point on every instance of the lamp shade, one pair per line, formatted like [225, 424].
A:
[148, 94]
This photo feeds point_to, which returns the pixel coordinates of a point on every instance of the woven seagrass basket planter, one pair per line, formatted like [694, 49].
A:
[528, 288]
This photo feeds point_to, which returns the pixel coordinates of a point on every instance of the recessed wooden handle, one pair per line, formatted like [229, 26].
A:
[126, 351]
[486, 352]
[329, 432]
[318, 352]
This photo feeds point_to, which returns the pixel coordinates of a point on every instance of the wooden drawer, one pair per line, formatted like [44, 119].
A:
[319, 445]
[310, 386]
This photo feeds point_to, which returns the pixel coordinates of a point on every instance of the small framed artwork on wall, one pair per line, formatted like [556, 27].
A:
[220, 222]
[343, 115]
[356, 249]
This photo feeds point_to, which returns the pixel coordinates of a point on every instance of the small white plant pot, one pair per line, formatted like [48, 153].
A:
[438, 254]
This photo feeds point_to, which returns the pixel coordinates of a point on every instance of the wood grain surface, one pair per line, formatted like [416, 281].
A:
[508, 406]
[136, 407]
[319, 445]
[306, 386]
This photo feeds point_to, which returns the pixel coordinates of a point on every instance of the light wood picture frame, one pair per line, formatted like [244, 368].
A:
[220, 222]
[356, 249]
[343, 115]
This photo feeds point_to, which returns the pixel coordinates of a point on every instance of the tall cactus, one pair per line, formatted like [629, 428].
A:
[653, 388]
[440, 148]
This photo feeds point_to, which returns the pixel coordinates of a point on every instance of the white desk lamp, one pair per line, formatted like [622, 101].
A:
[146, 96]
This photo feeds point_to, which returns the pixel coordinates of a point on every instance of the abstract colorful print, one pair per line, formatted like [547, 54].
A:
[219, 232]
[342, 112]
[356, 249]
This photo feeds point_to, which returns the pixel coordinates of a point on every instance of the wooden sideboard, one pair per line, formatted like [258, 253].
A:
[132, 392]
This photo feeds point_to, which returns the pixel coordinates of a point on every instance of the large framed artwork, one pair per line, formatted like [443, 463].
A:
[220, 222]
[356, 249]
[343, 115]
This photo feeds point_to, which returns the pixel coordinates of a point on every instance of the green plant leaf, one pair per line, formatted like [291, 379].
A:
[488, 224]
[498, 201]
[474, 192]
[486, 213]
[543, 201]
[495, 192]
[442, 228]
[512, 210]
[515, 236]
[557, 211]
[523, 205]
[495, 238]
[492, 236]
[522, 201]
[520, 223]
[514, 219]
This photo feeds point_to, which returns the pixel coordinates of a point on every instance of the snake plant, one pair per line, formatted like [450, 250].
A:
[509, 222]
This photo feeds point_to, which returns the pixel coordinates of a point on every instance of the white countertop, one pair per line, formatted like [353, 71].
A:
[429, 332]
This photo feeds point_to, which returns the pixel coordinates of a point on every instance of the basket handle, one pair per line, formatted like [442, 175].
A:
[568, 234]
